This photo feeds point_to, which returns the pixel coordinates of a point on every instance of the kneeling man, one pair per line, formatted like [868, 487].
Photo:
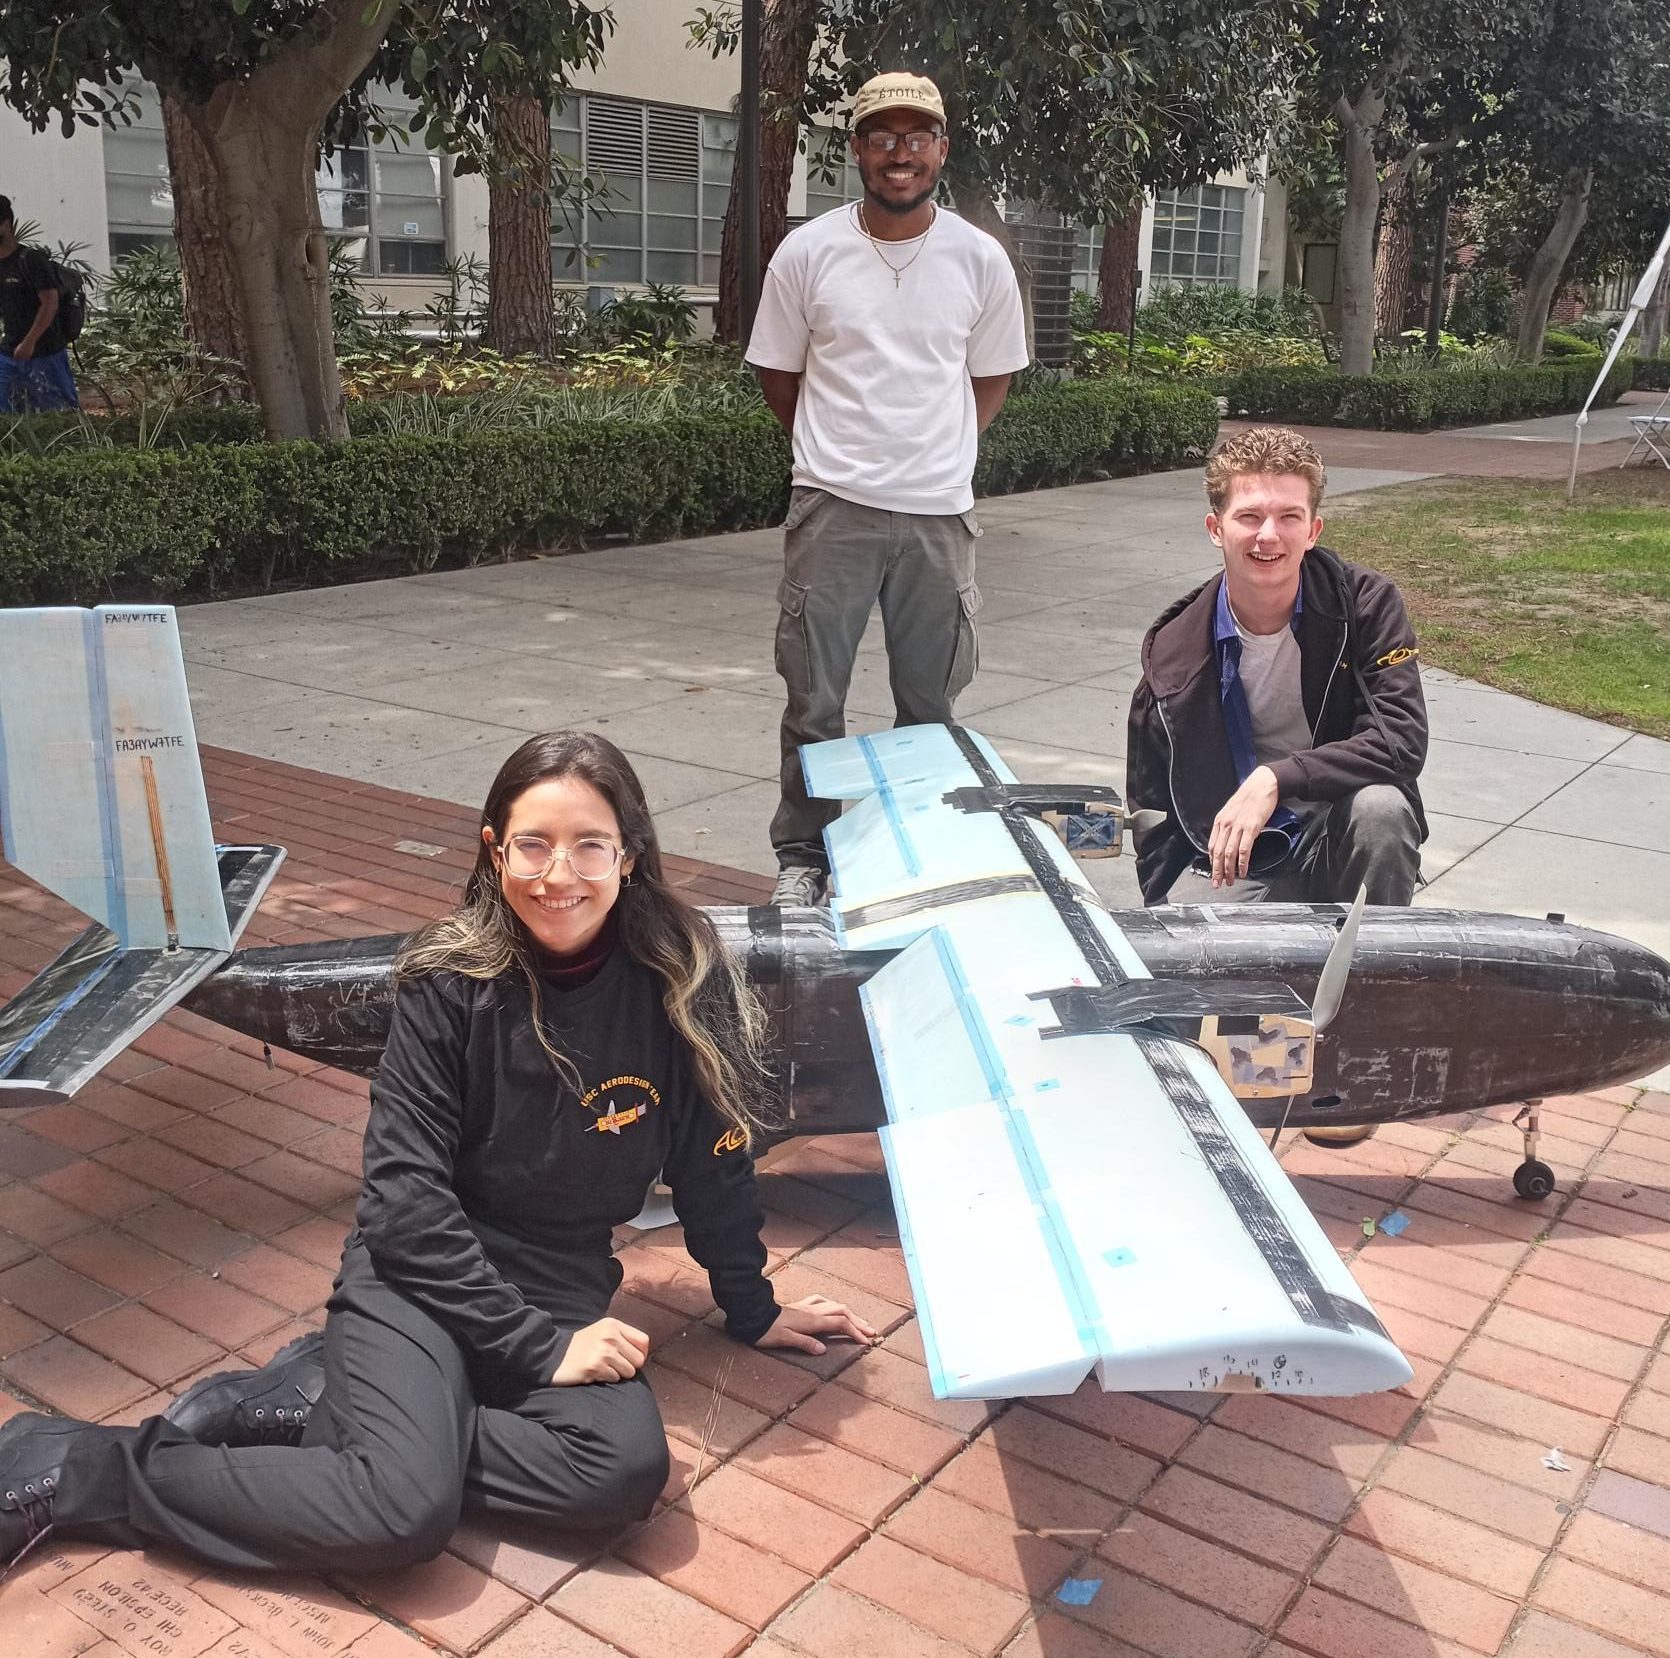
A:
[1279, 722]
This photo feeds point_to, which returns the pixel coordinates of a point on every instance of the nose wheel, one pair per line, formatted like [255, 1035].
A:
[1533, 1179]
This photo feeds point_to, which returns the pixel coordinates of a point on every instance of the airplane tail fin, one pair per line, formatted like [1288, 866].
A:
[101, 792]
[102, 803]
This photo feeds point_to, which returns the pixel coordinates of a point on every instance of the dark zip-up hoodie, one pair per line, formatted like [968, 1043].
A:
[1361, 682]
[493, 1188]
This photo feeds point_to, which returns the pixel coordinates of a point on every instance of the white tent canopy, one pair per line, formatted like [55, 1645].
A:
[1638, 302]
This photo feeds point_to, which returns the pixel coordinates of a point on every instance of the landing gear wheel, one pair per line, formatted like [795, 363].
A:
[1533, 1180]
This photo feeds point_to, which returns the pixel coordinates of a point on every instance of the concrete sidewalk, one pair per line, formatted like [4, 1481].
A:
[425, 684]
[1510, 449]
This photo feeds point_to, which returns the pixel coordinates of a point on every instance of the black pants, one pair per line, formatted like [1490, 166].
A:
[396, 1449]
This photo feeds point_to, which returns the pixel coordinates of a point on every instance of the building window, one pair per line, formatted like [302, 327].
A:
[1197, 235]
[138, 198]
[665, 178]
[839, 182]
[1087, 259]
[718, 160]
[385, 204]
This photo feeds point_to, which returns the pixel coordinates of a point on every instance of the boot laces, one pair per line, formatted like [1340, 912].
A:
[32, 1499]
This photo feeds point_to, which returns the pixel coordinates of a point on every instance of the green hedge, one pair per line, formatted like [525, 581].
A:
[1094, 429]
[1416, 400]
[46, 434]
[1652, 373]
[80, 526]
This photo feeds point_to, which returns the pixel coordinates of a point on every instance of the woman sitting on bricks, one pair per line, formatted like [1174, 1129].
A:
[569, 1031]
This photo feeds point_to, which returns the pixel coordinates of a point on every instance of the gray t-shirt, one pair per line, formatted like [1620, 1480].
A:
[1270, 677]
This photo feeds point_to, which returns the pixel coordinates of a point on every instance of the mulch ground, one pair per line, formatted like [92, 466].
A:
[187, 1209]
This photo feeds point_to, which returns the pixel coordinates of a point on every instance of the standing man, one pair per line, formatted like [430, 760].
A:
[886, 335]
[34, 355]
[1279, 722]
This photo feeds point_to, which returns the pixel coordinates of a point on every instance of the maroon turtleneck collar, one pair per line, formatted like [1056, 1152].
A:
[569, 972]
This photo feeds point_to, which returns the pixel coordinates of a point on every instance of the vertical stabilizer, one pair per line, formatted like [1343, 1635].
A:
[101, 792]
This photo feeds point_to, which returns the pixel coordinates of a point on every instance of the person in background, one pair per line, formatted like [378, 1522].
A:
[35, 371]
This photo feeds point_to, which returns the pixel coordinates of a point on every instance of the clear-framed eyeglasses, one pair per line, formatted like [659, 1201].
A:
[530, 858]
[885, 143]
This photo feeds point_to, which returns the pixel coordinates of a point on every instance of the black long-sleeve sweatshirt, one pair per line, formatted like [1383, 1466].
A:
[492, 1188]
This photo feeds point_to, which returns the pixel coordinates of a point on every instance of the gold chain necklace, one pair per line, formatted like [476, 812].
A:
[897, 270]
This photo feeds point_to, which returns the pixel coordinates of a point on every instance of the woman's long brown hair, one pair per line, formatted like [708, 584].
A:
[707, 998]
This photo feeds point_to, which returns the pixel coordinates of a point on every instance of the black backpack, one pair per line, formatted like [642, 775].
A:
[72, 300]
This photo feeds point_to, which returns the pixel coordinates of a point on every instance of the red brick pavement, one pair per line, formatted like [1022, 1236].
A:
[189, 1206]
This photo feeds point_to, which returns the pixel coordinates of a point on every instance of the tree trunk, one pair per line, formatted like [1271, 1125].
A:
[263, 132]
[207, 278]
[1655, 317]
[1394, 259]
[519, 307]
[1116, 274]
[975, 203]
[1542, 279]
[282, 260]
[1359, 123]
[787, 31]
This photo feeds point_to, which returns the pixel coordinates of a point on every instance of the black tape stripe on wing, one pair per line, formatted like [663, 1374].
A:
[1068, 900]
[955, 892]
[1311, 1298]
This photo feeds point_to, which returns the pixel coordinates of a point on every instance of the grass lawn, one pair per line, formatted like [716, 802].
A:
[1509, 585]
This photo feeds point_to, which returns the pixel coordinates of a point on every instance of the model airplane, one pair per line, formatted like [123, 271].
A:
[995, 982]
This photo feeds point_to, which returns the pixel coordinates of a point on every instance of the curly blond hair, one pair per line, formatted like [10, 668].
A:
[1267, 449]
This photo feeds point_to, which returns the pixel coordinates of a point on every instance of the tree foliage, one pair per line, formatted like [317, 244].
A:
[1579, 131]
[1082, 105]
[263, 82]
[1390, 79]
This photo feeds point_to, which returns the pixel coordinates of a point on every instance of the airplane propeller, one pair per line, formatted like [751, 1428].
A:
[1330, 988]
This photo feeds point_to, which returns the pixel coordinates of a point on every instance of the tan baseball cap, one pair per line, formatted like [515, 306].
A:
[898, 91]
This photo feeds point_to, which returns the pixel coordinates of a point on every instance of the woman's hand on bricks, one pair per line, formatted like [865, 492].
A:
[806, 1325]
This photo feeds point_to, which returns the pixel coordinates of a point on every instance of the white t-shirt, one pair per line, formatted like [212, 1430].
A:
[1275, 697]
[886, 411]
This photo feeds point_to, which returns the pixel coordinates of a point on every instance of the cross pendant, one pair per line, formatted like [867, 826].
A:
[896, 277]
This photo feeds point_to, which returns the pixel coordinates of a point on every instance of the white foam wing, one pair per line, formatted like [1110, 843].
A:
[1066, 1202]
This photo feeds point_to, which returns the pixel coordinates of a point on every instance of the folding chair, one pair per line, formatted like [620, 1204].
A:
[1652, 433]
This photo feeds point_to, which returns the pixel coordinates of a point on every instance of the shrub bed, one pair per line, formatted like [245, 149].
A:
[1652, 373]
[1417, 400]
[85, 524]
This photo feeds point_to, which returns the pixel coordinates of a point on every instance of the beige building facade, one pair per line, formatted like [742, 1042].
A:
[655, 121]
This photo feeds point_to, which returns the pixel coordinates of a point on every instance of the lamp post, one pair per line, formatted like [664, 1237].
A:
[748, 171]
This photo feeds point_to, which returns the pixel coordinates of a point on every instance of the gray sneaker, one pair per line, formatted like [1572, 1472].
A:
[800, 886]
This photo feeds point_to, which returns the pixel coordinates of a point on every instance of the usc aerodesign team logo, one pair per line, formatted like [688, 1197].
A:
[733, 1139]
[620, 1102]
[1396, 659]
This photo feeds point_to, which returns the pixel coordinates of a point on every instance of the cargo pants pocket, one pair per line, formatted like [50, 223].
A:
[965, 655]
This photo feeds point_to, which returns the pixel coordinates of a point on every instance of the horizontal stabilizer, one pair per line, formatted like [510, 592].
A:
[77, 1014]
[849, 768]
[101, 792]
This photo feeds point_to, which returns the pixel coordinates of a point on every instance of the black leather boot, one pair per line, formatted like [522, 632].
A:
[269, 1406]
[32, 1451]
